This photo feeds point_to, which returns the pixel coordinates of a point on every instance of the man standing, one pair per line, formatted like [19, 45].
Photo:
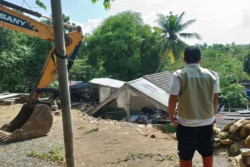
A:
[195, 89]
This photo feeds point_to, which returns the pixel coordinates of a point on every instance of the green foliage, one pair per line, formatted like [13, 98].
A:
[246, 64]
[79, 70]
[234, 96]
[226, 60]
[120, 46]
[39, 3]
[106, 3]
[54, 154]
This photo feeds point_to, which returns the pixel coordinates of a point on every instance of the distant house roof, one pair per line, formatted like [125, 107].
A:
[79, 85]
[107, 82]
[151, 90]
[161, 79]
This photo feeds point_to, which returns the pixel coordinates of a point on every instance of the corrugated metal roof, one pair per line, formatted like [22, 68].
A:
[160, 79]
[150, 90]
[107, 82]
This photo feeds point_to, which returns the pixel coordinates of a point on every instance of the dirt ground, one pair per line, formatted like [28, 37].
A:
[101, 143]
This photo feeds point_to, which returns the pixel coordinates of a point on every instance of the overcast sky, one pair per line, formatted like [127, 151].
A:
[217, 21]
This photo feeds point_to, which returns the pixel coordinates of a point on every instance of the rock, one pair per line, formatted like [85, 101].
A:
[216, 145]
[234, 162]
[223, 135]
[237, 125]
[217, 142]
[153, 136]
[244, 132]
[227, 141]
[234, 136]
[239, 162]
[247, 142]
[245, 152]
[226, 127]
[57, 113]
[247, 126]
[235, 148]
[215, 129]
[247, 161]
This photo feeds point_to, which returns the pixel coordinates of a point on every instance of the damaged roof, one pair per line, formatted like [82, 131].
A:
[107, 82]
[151, 90]
[161, 79]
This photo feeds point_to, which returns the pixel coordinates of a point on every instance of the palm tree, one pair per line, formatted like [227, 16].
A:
[170, 32]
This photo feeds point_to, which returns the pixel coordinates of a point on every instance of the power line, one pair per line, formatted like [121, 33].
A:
[26, 3]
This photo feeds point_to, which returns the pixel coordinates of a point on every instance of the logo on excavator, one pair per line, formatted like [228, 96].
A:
[8, 18]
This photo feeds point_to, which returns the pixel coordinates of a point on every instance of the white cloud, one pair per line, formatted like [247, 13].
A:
[217, 21]
[90, 26]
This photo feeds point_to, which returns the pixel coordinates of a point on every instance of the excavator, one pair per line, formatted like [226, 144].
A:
[35, 118]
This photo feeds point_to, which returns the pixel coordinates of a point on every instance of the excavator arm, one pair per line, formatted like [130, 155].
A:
[16, 21]
[35, 119]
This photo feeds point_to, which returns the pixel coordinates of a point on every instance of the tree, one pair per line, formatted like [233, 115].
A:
[120, 46]
[246, 63]
[170, 32]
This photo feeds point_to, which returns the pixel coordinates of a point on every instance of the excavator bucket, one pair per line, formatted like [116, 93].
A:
[32, 121]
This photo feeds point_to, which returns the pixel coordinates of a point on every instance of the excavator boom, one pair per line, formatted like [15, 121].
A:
[35, 118]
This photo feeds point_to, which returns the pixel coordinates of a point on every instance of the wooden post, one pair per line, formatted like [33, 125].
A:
[127, 104]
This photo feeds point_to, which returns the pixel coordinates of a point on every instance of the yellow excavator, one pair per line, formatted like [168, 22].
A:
[35, 118]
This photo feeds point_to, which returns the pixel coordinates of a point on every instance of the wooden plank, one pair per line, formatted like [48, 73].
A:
[233, 118]
[238, 115]
[9, 95]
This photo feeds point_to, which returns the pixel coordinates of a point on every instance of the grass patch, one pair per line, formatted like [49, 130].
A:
[168, 128]
[81, 127]
[92, 130]
[53, 154]
[140, 156]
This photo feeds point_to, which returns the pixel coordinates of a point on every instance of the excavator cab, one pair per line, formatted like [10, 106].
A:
[35, 118]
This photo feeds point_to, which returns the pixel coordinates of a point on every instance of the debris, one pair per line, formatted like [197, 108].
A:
[235, 148]
[223, 135]
[237, 125]
[247, 142]
[148, 115]
[227, 141]
[236, 135]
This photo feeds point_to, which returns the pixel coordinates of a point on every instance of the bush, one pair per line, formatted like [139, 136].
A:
[234, 96]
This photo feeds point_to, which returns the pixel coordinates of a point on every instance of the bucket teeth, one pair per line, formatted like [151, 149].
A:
[4, 137]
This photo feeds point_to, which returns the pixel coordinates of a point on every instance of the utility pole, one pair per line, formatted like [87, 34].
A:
[63, 82]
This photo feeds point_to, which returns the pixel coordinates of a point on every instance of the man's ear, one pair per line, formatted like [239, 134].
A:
[199, 60]
[184, 61]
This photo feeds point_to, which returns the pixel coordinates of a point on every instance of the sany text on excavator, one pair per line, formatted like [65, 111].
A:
[35, 118]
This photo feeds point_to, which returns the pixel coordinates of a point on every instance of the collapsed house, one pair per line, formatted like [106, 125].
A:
[137, 99]
[106, 86]
[83, 93]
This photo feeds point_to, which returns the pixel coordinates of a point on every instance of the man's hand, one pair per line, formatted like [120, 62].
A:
[171, 109]
[174, 121]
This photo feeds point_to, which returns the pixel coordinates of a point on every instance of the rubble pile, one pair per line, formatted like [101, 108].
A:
[236, 137]
[148, 116]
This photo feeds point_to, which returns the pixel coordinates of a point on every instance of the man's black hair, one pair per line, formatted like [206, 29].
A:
[192, 54]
